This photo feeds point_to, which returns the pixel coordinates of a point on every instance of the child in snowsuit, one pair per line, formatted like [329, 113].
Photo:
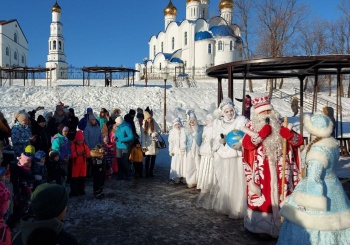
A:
[136, 156]
[98, 170]
[109, 149]
[39, 169]
[80, 152]
[22, 181]
[55, 170]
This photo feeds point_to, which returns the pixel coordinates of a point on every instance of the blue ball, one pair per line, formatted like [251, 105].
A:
[233, 137]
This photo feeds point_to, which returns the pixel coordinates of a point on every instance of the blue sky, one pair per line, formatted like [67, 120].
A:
[106, 32]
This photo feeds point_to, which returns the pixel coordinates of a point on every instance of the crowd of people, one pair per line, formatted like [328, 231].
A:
[60, 149]
[267, 175]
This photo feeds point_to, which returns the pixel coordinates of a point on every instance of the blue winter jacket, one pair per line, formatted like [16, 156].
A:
[123, 136]
[92, 135]
[61, 145]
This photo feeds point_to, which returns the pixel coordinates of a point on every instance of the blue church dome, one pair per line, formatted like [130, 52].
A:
[221, 31]
[202, 35]
[178, 60]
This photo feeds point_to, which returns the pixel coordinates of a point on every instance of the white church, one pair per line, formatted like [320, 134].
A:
[187, 48]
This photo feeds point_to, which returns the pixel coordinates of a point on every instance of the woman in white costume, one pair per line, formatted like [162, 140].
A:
[205, 172]
[193, 142]
[177, 148]
[230, 190]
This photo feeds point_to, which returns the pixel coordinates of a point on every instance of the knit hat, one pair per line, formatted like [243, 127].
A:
[103, 110]
[48, 201]
[21, 116]
[132, 112]
[39, 155]
[29, 149]
[226, 103]
[119, 120]
[40, 119]
[318, 124]
[53, 154]
[89, 110]
[261, 104]
[146, 115]
[2, 171]
[139, 110]
[65, 129]
[79, 136]
[23, 160]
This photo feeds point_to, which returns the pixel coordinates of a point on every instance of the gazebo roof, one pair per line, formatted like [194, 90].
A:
[283, 67]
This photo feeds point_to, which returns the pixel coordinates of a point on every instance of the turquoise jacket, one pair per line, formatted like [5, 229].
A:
[123, 136]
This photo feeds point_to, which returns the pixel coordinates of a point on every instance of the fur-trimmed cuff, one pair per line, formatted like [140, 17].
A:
[256, 139]
[310, 202]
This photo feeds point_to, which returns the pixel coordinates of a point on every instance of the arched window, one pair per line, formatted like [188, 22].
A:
[15, 55]
[172, 43]
[161, 46]
[23, 59]
[154, 50]
[220, 45]
[59, 45]
[15, 37]
[54, 45]
[209, 48]
[185, 38]
[7, 51]
[231, 45]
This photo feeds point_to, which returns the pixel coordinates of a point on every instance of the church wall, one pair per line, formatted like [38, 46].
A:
[225, 55]
[203, 58]
[7, 40]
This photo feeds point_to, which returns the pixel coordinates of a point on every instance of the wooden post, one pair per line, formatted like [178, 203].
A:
[285, 124]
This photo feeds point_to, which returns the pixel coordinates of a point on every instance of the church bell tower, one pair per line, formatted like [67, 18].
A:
[56, 57]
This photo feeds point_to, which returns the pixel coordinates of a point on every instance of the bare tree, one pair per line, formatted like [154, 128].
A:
[243, 9]
[279, 21]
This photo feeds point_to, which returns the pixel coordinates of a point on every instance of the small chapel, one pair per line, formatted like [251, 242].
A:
[188, 47]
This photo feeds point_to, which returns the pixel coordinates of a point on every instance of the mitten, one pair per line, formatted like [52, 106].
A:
[286, 133]
[237, 146]
[265, 131]
[222, 139]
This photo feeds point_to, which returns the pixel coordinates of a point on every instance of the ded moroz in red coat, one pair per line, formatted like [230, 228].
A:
[264, 179]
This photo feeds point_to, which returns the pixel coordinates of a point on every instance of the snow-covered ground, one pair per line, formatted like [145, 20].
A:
[202, 99]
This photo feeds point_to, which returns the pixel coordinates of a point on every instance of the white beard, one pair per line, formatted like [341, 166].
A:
[274, 142]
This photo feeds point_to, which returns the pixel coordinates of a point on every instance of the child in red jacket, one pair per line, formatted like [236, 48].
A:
[80, 151]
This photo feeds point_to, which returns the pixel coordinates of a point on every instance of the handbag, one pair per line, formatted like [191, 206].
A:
[160, 144]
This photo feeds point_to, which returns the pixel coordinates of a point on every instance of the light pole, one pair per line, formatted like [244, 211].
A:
[145, 60]
[165, 77]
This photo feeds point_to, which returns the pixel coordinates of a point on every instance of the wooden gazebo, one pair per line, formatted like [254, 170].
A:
[285, 67]
[108, 70]
[25, 72]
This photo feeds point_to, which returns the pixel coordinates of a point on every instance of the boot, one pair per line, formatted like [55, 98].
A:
[81, 185]
[147, 169]
[151, 170]
[74, 187]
